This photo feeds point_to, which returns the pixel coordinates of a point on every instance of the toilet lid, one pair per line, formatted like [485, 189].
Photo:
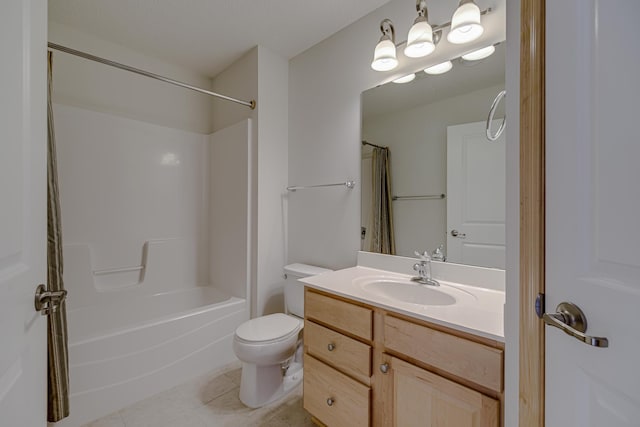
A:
[268, 328]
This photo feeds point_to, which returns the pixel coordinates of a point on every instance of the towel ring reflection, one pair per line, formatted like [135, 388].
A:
[492, 111]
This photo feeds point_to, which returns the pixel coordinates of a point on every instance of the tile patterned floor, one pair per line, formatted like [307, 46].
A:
[209, 401]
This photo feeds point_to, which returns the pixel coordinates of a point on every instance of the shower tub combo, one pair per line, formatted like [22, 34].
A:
[128, 343]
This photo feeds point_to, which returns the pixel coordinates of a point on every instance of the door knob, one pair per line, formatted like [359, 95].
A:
[47, 302]
[459, 235]
[569, 318]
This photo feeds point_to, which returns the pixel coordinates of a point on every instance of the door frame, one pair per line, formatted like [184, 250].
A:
[532, 212]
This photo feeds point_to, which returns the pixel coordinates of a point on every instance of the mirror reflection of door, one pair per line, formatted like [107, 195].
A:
[475, 196]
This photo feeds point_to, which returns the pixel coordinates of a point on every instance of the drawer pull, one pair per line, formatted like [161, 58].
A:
[384, 368]
[330, 401]
[331, 347]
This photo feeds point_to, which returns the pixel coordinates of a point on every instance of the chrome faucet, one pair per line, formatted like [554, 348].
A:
[424, 270]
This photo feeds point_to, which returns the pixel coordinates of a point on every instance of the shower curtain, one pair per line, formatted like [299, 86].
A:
[58, 360]
[381, 227]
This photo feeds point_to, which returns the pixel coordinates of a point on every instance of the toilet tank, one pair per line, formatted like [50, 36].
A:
[294, 290]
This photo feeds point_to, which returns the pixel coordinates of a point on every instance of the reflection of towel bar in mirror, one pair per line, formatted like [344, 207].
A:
[348, 184]
[422, 197]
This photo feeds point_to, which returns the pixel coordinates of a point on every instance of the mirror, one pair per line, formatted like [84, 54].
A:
[446, 179]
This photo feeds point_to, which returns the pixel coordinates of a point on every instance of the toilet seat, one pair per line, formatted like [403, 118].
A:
[267, 329]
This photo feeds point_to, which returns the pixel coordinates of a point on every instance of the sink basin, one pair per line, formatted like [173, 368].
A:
[409, 292]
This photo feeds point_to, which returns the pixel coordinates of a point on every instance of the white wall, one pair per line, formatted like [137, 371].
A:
[241, 80]
[87, 84]
[417, 139]
[325, 83]
[262, 75]
[272, 176]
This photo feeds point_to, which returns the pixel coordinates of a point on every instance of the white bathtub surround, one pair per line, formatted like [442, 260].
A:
[478, 292]
[93, 285]
[208, 401]
[145, 312]
[151, 344]
[229, 203]
[124, 182]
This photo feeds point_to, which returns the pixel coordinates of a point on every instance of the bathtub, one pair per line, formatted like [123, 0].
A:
[127, 350]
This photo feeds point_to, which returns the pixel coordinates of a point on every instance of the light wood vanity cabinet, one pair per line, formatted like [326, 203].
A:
[337, 361]
[422, 398]
[365, 366]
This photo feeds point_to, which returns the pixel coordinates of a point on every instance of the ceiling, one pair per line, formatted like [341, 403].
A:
[206, 36]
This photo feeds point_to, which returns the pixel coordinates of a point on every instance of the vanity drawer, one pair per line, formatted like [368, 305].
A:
[350, 318]
[346, 354]
[332, 397]
[465, 359]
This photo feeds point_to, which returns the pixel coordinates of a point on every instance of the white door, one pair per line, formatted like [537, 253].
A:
[593, 208]
[23, 217]
[476, 189]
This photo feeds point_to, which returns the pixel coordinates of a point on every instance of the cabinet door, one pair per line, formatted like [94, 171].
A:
[422, 398]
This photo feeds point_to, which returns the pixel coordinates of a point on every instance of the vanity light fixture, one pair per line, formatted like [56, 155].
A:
[465, 23]
[420, 41]
[441, 68]
[465, 26]
[406, 79]
[476, 55]
[384, 57]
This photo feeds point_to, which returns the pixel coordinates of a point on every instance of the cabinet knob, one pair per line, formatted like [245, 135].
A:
[330, 401]
[331, 347]
[384, 368]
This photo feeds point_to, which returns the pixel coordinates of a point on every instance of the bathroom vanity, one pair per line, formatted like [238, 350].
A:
[376, 359]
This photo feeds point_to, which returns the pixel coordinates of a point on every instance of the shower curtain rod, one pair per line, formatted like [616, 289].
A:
[251, 104]
[373, 145]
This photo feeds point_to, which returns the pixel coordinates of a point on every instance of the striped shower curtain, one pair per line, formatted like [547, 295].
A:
[58, 360]
[381, 227]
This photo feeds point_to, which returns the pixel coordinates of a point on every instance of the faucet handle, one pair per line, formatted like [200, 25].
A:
[438, 254]
[423, 256]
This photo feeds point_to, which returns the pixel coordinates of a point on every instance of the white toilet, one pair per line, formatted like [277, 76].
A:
[270, 347]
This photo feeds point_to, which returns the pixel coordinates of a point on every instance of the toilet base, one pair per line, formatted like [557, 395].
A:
[261, 385]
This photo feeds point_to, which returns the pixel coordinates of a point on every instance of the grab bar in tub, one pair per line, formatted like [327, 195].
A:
[117, 270]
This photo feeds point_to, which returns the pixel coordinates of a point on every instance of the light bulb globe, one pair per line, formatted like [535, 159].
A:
[419, 40]
[476, 55]
[465, 24]
[384, 56]
[439, 68]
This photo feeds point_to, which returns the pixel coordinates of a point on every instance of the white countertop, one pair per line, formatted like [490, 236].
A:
[477, 310]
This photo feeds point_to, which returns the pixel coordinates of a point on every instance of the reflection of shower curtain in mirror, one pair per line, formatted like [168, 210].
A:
[380, 230]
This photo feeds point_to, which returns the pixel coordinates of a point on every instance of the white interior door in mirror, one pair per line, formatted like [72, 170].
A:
[475, 196]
